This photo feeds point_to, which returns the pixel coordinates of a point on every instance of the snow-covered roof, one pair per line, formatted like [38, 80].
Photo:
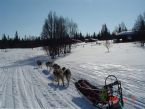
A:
[126, 33]
[76, 40]
[93, 39]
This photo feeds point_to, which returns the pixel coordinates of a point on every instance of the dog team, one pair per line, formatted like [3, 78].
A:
[58, 72]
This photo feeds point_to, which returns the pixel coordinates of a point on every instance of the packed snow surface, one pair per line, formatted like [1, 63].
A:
[24, 85]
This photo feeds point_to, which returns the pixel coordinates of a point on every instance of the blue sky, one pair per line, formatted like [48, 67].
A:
[27, 16]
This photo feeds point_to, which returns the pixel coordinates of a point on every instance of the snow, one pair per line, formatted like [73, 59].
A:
[24, 85]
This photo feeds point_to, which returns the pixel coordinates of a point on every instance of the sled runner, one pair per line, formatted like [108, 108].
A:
[107, 97]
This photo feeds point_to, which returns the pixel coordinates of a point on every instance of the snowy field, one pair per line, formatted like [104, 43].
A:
[24, 85]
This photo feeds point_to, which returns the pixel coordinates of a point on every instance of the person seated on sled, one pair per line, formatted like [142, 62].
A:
[101, 97]
[92, 92]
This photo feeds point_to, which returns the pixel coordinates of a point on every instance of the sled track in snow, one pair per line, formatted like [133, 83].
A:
[3, 86]
[52, 94]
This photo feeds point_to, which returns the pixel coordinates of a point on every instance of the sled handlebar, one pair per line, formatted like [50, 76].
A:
[113, 84]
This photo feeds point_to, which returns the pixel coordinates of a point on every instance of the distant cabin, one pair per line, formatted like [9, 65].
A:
[90, 40]
[126, 36]
[76, 41]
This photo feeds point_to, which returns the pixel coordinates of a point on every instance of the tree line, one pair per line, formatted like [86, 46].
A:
[17, 42]
[59, 33]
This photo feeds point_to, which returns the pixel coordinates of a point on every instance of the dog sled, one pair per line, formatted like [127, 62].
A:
[108, 96]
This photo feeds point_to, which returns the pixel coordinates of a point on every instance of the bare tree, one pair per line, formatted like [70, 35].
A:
[107, 44]
[121, 27]
[58, 30]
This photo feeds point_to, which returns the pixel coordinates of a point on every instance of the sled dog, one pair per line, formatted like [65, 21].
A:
[66, 74]
[58, 75]
[55, 66]
[39, 63]
[49, 64]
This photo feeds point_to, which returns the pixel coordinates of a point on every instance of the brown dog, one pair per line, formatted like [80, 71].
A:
[66, 74]
[58, 75]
